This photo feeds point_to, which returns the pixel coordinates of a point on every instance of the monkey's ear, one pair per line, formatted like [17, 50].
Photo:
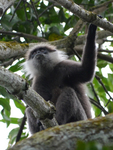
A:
[52, 50]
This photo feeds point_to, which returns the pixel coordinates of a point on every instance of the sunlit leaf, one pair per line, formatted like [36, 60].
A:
[5, 103]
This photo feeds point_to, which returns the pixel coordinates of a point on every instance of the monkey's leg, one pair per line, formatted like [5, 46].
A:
[68, 107]
[33, 123]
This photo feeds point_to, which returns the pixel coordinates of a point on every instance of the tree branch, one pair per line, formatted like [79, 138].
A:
[10, 50]
[85, 15]
[98, 106]
[96, 9]
[65, 137]
[25, 35]
[4, 5]
[104, 57]
[18, 86]
[101, 8]
[16, 50]
[15, 9]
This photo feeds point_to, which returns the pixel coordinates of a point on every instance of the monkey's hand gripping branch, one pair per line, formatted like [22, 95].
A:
[17, 86]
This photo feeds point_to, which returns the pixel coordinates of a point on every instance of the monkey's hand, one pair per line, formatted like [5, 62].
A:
[92, 29]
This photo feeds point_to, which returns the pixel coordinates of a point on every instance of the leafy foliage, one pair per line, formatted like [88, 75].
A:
[92, 146]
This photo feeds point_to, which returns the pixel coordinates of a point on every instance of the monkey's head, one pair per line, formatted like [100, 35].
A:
[42, 58]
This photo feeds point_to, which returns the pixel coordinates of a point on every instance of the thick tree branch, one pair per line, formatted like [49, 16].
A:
[18, 87]
[9, 50]
[100, 35]
[25, 35]
[65, 137]
[85, 15]
[104, 57]
[101, 8]
[96, 9]
[4, 5]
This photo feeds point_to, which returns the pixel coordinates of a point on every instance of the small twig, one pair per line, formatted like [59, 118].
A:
[33, 6]
[105, 40]
[15, 10]
[105, 4]
[7, 63]
[23, 35]
[21, 128]
[99, 80]
[25, 11]
[107, 103]
[95, 93]
[46, 10]
[107, 51]
[98, 105]
[76, 53]
[36, 2]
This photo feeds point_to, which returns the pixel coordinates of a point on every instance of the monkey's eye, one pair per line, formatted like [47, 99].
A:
[33, 54]
[44, 51]
[40, 51]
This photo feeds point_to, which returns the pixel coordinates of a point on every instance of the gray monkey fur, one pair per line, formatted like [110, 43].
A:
[61, 81]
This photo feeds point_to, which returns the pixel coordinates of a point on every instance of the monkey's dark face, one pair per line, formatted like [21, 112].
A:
[42, 59]
[38, 52]
[41, 54]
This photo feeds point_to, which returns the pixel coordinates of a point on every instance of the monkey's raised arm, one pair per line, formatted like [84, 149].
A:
[89, 54]
[84, 71]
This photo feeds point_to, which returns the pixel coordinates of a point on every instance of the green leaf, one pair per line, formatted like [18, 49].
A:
[54, 30]
[62, 15]
[16, 120]
[17, 66]
[6, 116]
[5, 93]
[92, 145]
[97, 111]
[110, 107]
[111, 67]
[105, 82]
[5, 103]
[21, 14]
[20, 105]
[71, 21]
[12, 135]
[5, 22]
[101, 63]
[110, 81]
[90, 92]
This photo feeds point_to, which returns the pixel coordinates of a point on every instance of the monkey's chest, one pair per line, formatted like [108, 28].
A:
[49, 89]
[48, 92]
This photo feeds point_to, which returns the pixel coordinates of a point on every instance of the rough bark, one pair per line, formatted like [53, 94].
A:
[4, 5]
[9, 50]
[85, 15]
[19, 87]
[65, 136]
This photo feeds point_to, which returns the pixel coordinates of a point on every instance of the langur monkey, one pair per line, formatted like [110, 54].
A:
[61, 81]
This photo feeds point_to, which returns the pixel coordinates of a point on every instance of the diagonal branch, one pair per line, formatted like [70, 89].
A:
[85, 15]
[25, 35]
[18, 87]
[4, 5]
[101, 7]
